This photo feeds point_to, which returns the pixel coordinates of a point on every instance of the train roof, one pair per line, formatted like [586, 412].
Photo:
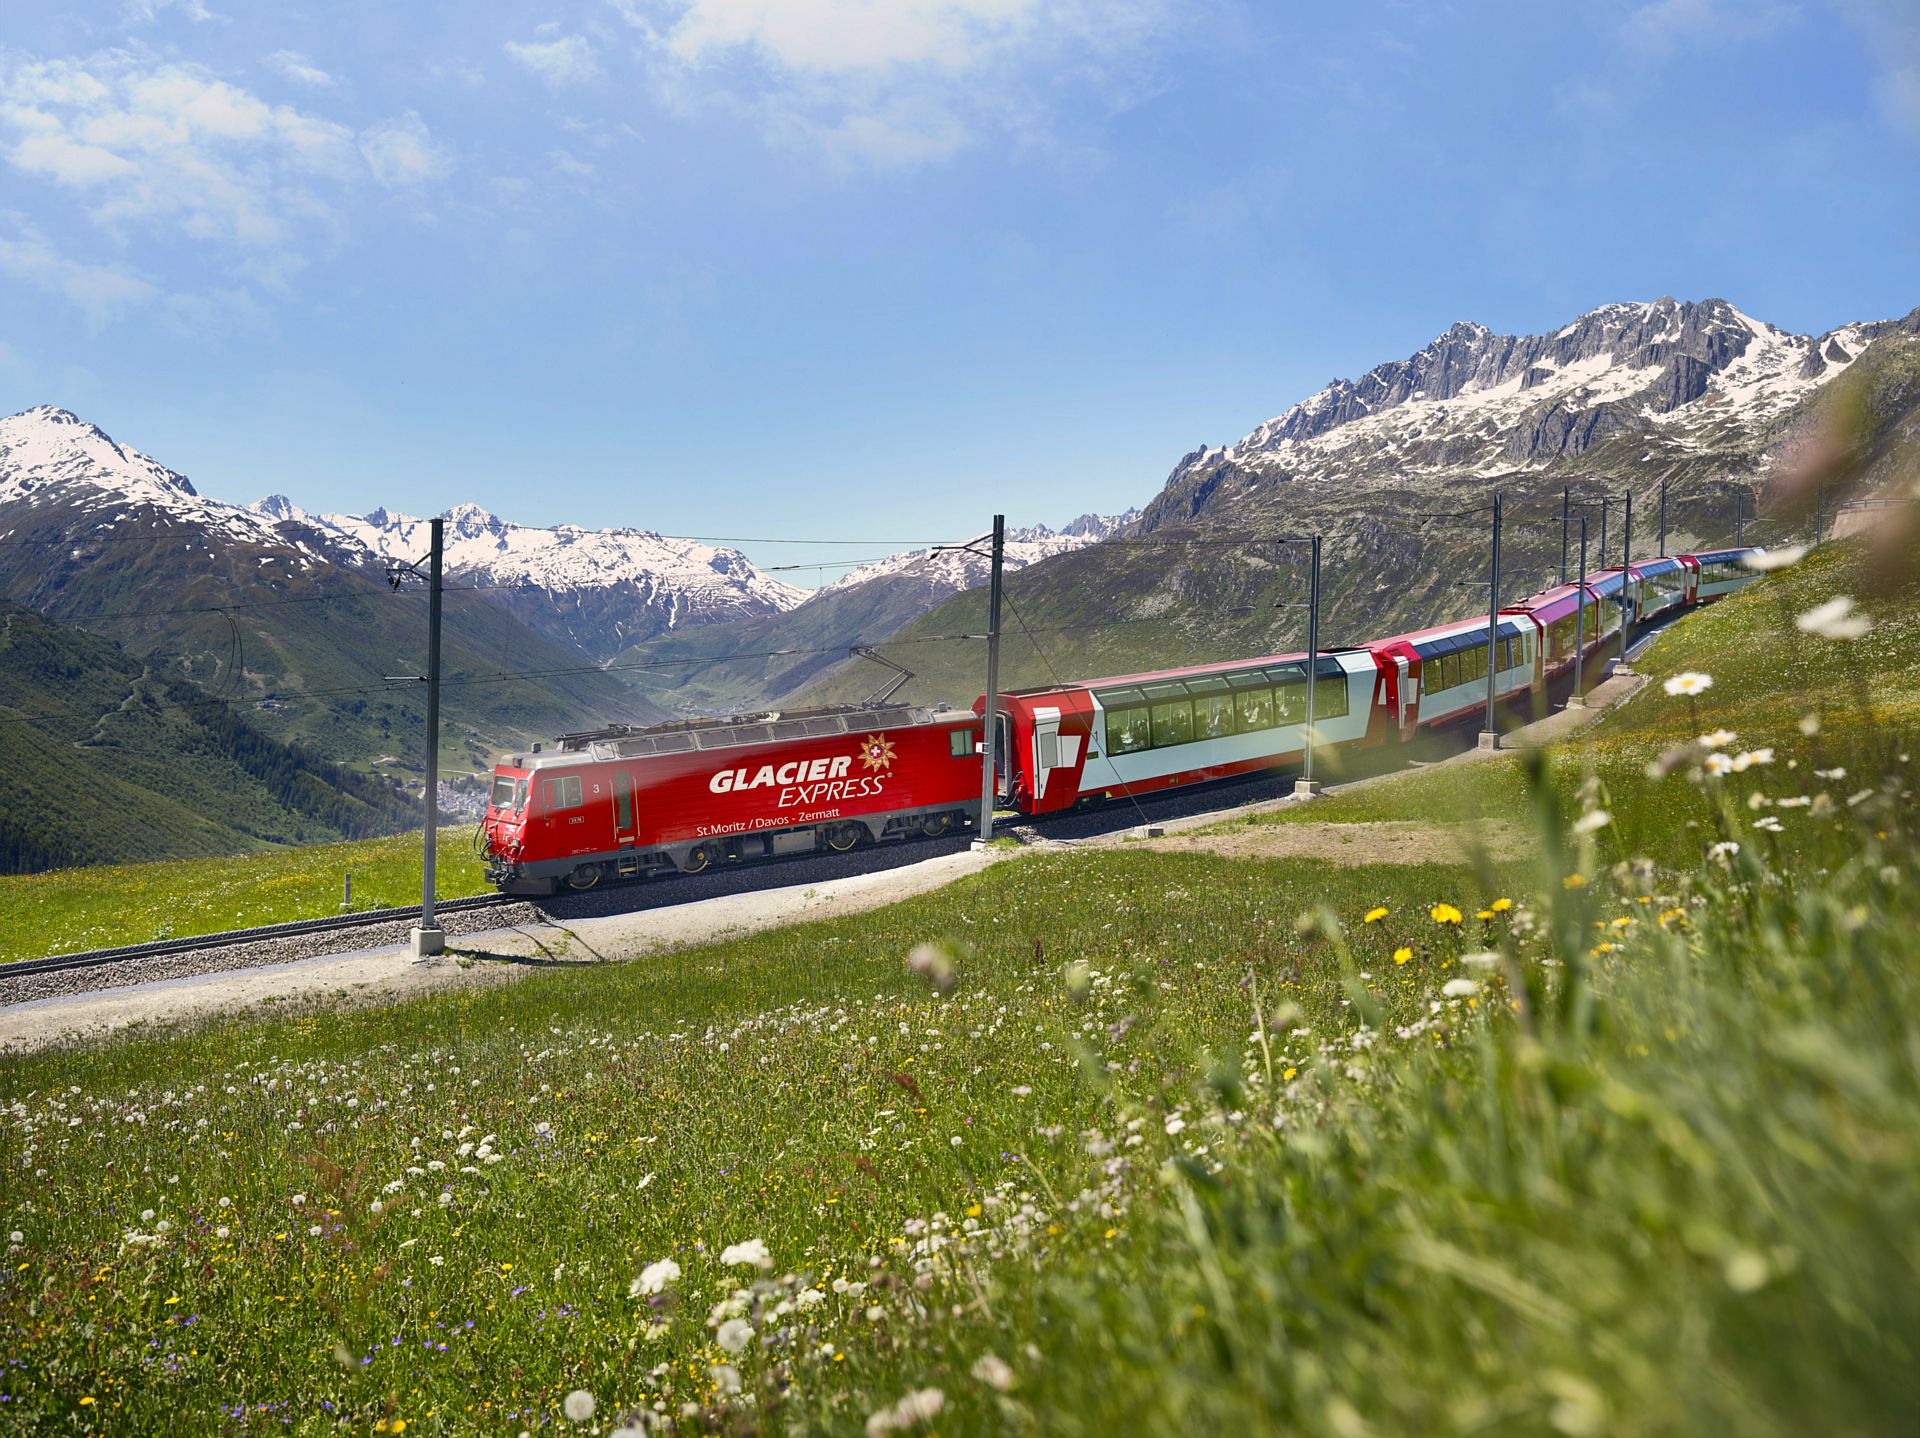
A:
[1468, 631]
[1194, 671]
[632, 741]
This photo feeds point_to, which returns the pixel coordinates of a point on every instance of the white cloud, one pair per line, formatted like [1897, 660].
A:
[1662, 26]
[139, 12]
[899, 83]
[171, 146]
[100, 291]
[563, 62]
[298, 68]
[401, 152]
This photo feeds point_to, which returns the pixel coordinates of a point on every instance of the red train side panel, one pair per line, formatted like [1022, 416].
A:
[689, 795]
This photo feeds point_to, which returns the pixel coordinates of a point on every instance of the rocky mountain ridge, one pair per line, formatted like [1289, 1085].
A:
[1690, 380]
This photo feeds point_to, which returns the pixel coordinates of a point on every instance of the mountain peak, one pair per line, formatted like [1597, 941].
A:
[50, 445]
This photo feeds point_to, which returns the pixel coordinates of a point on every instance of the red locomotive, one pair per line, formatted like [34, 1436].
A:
[630, 802]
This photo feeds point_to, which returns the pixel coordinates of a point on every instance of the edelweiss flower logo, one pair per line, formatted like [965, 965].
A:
[876, 752]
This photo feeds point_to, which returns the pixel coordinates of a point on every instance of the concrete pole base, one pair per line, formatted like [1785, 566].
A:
[1576, 702]
[1622, 667]
[1489, 739]
[428, 942]
[1307, 788]
[979, 843]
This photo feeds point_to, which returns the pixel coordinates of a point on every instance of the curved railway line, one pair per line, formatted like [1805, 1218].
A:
[193, 943]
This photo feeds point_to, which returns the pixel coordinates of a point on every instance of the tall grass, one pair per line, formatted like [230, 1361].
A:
[1617, 1140]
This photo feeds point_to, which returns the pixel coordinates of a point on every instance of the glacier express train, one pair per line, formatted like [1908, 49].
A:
[628, 802]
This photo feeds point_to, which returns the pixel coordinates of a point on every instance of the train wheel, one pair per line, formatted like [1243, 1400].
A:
[934, 825]
[584, 877]
[697, 859]
[842, 837]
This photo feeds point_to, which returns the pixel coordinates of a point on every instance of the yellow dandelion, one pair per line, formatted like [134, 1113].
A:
[1402, 954]
[1500, 906]
[1289, 1074]
[1375, 915]
[1574, 881]
[1484, 914]
[1445, 914]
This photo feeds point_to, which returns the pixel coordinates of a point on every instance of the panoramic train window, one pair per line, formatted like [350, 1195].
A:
[1172, 723]
[1127, 731]
[1255, 708]
[1330, 697]
[1290, 701]
[1214, 716]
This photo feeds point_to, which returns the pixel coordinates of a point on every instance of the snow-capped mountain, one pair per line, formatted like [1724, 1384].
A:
[599, 590]
[1688, 378]
[52, 459]
[949, 571]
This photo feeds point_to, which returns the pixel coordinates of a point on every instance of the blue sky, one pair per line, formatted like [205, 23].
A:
[879, 267]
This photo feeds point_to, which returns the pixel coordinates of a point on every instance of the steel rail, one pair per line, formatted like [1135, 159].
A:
[192, 943]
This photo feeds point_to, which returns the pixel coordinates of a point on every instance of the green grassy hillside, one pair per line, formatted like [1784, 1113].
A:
[108, 760]
[106, 905]
[316, 642]
[1577, 1144]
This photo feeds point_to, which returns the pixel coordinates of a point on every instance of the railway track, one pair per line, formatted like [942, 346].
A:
[192, 943]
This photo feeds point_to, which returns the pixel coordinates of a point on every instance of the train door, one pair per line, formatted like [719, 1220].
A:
[1052, 750]
[1409, 692]
[623, 826]
[1005, 755]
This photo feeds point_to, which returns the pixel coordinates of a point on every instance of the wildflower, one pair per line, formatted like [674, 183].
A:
[579, 1405]
[1592, 820]
[725, 1377]
[1500, 906]
[220, 1232]
[1766, 560]
[993, 1371]
[1718, 764]
[753, 1253]
[1445, 914]
[1718, 738]
[1374, 916]
[1768, 825]
[934, 965]
[1402, 954]
[1725, 849]
[1834, 620]
[1459, 988]
[1747, 759]
[1574, 881]
[919, 1407]
[1837, 773]
[1810, 724]
[16, 1237]
[735, 1334]
[1175, 1125]
[1689, 684]
[654, 1278]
